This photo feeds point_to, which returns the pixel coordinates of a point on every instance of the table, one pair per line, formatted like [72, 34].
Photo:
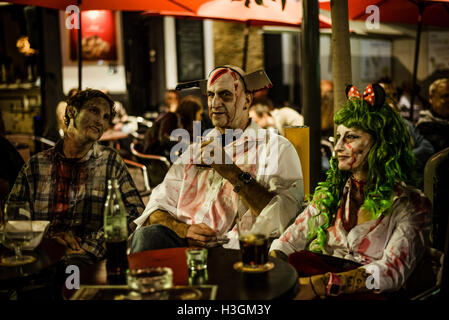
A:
[41, 272]
[278, 283]
[113, 135]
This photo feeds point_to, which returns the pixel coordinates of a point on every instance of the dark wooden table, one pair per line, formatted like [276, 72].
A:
[278, 283]
[47, 254]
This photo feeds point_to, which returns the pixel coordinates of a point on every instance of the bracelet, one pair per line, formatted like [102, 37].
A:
[313, 289]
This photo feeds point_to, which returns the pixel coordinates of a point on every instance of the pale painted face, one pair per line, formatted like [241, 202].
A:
[227, 101]
[92, 120]
[352, 147]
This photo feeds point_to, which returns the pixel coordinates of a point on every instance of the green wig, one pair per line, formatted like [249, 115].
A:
[389, 159]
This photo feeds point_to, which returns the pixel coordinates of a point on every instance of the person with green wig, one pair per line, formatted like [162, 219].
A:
[365, 228]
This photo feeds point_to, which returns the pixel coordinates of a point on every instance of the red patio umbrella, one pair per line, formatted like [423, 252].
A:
[118, 5]
[269, 13]
[399, 11]
[428, 12]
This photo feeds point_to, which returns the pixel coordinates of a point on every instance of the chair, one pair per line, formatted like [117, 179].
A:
[299, 137]
[436, 187]
[27, 144]
[153, 168]
[426, 280]
[430, 279]
[141, 124]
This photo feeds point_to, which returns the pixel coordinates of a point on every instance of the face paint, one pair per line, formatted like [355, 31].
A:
[225, 101]
[352, 148]
[217, 75]
[92, 120]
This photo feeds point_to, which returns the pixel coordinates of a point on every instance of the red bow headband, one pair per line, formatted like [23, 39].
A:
[374, 94]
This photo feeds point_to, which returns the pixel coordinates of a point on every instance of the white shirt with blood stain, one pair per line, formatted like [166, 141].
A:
[393, 243]
[196, 195]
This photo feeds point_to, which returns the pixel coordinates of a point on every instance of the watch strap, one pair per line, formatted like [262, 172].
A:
[334, 285]
[244, 178]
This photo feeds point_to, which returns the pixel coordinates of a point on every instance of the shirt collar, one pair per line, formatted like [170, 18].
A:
[94, 152]
[251, 133]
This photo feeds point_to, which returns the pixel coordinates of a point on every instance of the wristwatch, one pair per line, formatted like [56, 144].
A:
[334, 285]
[245, 178]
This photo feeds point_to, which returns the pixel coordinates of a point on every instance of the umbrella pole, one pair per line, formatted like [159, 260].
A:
[310, 70]
[421, 7]
[245, 46]
[80, 59]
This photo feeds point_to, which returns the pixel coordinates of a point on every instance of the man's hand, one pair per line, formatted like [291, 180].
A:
[200, 235]
[68, 240]
[70, 251]
[213, 154]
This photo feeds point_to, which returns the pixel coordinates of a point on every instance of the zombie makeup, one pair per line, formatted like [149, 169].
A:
[226, 100]
[352, 147]
[92, 120]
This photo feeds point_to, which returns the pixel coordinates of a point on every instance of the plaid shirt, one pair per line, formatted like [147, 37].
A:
[71, 192]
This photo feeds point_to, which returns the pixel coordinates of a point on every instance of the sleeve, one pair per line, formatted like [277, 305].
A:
[94, 244]
[422, 148]
[20, 190]
[130, 196]
[165, 195]
[406, 245]
[295, 237]
[281, 172]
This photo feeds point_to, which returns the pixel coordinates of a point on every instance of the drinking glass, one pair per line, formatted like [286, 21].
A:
[253, 245]
[197, 265]
[17, 232]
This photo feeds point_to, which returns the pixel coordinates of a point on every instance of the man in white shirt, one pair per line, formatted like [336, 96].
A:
[258, 180]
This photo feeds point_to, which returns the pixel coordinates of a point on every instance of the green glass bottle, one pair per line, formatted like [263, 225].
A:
[116, 235]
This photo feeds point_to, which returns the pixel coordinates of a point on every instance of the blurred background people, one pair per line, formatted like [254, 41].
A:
[404, 102]
[327, 124]
[171, 101]
[266, 116]
[157, 141]
[421, 147]
[157, 138]
[119, 122]
[327, 108]
[434, 123]
[60, 113]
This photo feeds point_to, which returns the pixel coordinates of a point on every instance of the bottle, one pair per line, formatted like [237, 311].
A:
[116, 234]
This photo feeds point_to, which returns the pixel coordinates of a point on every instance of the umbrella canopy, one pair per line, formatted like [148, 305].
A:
[118, 5]
[269, 13]
[399, 11]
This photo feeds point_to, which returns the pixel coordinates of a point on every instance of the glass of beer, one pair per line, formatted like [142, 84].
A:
[253, 246]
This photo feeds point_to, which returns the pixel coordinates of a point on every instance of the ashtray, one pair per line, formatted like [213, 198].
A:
[257, 269]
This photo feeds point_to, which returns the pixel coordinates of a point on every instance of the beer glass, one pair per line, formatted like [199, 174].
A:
[253, 246]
